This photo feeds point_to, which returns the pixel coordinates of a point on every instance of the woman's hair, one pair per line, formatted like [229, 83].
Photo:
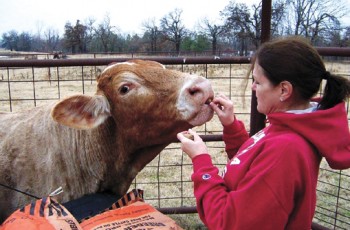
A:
[293, 59]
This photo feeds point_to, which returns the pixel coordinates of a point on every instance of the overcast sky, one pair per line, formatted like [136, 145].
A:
[128, 15]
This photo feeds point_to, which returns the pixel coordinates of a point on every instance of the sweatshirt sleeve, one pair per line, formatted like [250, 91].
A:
[257, 196]
[206, 172]
[234, 136]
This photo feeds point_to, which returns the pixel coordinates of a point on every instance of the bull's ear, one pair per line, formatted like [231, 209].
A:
[81, 111]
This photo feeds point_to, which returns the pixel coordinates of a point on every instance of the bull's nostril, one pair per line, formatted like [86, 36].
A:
[194, 90]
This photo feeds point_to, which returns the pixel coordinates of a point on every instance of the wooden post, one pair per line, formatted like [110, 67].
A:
[257, 120]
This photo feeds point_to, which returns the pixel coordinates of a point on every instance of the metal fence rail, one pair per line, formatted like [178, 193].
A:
[167, 184]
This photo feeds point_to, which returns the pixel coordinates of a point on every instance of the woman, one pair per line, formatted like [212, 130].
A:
[270, 180]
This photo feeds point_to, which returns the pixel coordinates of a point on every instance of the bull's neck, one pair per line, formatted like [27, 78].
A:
[129, 150]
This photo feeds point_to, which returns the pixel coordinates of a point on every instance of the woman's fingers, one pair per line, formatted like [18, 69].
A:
[223, 107]
[187, 135]
[194, 134]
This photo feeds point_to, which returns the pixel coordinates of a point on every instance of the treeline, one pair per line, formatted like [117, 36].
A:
[239, 31]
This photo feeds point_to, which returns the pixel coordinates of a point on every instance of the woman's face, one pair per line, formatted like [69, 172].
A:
[268, 95]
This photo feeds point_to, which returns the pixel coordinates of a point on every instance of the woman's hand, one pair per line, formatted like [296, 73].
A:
[223, 107]
[192, 147]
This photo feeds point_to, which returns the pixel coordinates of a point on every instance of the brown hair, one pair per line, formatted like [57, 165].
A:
[293, 59]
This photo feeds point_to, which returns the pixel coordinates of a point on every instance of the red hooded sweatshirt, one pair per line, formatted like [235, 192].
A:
[270, 180]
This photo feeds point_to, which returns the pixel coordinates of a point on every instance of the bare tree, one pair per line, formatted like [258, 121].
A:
[89, 32]
[255, 23]
[213, 31]
[106, 33]
[173, 29]
[314, 17]
[245, 22]
[277, 17]
[52, 39]
[75, 37]
[239, 21]
[151, 34]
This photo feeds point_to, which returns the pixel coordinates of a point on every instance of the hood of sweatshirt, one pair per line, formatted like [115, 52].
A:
[327, 130]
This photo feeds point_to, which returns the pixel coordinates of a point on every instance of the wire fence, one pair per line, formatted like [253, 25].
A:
[166, 180]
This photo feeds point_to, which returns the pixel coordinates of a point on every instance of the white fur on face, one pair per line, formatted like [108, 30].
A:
[193, 107]
[184, 106]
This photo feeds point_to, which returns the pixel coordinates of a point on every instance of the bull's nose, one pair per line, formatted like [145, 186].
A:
[193, 100]
[201, 90]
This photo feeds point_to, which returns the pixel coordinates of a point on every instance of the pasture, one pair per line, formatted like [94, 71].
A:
[166, 180]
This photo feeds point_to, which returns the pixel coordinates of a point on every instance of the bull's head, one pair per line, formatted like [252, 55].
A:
[143, 98]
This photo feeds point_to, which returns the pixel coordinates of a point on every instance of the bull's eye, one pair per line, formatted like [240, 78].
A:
[124, 89]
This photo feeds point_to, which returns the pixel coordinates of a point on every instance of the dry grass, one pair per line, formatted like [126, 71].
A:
[166, 180]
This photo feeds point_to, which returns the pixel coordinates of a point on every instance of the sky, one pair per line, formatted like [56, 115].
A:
[35, 16]
[128, 15]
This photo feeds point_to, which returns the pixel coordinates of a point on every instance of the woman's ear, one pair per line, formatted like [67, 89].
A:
[286, 90]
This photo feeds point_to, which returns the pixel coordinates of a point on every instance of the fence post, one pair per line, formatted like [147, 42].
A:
[257, 120]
